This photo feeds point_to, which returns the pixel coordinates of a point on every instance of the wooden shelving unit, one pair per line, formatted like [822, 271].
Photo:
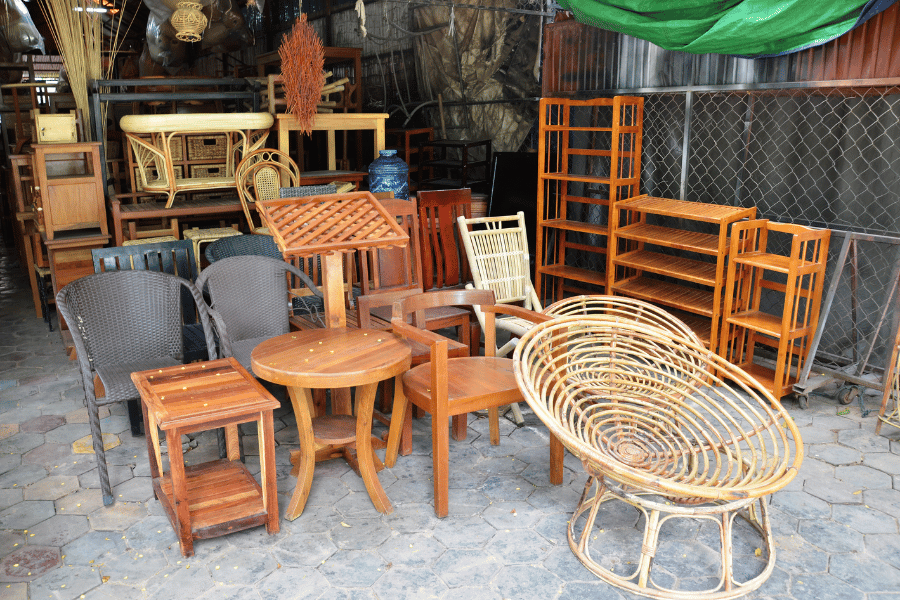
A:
[589, 157]
[798, 277]
[452, 164]
[677, 268]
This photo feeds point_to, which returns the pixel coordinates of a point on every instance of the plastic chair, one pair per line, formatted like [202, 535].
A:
[122, 322]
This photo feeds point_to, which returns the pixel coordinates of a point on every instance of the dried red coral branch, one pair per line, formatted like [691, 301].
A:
[302, 60]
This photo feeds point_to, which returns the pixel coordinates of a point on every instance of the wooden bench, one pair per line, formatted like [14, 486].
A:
[124, 213]
[151, 136]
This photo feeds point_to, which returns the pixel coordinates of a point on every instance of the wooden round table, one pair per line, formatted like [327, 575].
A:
[333, 358]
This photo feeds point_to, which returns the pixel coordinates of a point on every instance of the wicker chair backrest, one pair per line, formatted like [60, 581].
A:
[242, 245]
[250, 295]
[127, 316]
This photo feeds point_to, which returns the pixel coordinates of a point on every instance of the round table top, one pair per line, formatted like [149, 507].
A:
[335, 357]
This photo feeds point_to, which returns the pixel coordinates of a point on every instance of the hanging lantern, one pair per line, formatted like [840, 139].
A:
[188, 21]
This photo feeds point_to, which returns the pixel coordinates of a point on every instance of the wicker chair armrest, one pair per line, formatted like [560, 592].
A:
[219, 323]
[307, 281]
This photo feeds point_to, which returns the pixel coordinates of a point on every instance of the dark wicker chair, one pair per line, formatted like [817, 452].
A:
[122, 322]
[250, 301]
[174, 258]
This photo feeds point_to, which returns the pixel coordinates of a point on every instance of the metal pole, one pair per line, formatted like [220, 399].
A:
[686, 144]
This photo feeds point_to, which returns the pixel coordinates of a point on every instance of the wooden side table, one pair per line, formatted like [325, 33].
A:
[220, 496]
[338, 357]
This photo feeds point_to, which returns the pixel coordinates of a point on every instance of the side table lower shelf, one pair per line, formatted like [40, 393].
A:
[222, 496]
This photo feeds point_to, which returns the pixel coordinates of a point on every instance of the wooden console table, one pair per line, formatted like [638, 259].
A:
[330, 123]
[151, 141]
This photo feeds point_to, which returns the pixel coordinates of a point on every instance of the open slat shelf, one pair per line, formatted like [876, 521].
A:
[798, 282]
[575, 226]
[634, 251]
[678, 267]
[692, 300]
[576, 274]
[581, 141]
[690, 241]
[763, 322]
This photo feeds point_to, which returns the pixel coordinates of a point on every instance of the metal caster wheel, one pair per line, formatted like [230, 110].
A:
[848, 394]
[803, 401]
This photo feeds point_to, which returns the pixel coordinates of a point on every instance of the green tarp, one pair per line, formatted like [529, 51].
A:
[742, 27]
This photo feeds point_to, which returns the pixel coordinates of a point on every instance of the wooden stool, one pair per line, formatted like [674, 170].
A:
[202, 236]
[220, 496]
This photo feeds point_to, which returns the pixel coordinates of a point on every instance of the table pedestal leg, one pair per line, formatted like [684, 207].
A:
[301, 400]
[365, 403]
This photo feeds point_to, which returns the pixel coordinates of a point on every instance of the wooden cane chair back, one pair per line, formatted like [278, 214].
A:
[497, 250]
[444, 262]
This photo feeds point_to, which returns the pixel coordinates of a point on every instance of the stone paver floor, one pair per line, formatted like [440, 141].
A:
[836, 524]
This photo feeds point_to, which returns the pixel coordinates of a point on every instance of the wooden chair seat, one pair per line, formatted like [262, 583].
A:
[447, 386]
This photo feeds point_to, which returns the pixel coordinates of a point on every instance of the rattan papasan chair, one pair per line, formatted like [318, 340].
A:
[664, 425]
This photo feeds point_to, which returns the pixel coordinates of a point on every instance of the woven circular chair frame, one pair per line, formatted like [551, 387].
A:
[622, 306]
[666, 426]
[258, 177]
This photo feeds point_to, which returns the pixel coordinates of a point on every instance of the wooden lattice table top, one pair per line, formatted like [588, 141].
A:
[330, 223]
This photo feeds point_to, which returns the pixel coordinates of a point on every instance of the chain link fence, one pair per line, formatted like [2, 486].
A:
[820, 157]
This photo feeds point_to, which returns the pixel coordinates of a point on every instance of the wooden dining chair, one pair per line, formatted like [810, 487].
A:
[388, 275]
[446, 386]
[444, 262]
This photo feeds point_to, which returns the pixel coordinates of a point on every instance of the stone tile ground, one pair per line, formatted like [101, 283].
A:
[836, 525]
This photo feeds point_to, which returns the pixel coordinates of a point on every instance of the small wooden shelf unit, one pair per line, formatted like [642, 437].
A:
[589, 157]
[798, 277]
[642, 253]
[220, 496]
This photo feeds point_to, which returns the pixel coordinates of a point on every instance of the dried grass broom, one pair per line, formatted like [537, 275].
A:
[302, 60]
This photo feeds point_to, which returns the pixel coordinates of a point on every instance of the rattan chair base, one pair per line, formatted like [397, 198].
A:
[586, 532]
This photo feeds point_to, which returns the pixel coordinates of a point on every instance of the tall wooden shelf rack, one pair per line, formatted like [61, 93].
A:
[589, 157]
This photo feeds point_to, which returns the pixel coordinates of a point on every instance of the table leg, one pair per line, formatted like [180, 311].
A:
[365, 403]
[179, 492]
[398, 419]
[265, 428]
[301, 400]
